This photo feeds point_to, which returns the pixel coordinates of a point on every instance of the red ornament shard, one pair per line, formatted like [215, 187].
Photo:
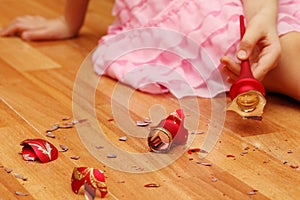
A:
[196, 150]
[38, 149]
[152, 185]
[94, 178]
[79, 177]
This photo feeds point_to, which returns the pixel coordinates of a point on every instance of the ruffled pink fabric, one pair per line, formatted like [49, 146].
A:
[175, 45]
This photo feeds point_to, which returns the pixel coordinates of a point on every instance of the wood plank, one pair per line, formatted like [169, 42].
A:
[10, 185]
[24, 58]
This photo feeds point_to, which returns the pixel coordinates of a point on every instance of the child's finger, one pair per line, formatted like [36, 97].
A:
[230, 80]
[35, 35]
[230, 64]
[247, 43]
[14, 27]
[265, 64]
[268, 60]
[229, 73]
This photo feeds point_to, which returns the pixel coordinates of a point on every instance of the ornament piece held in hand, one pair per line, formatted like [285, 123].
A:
[247, 93]
[94, 178]
[38, 149]
[168, 132]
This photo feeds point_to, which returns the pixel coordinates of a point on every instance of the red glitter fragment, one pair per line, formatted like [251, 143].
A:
[38, 148]
[196, 150]
[82, 121]
[294, 166]
[92, 179]
[230, 156]
[152, 185]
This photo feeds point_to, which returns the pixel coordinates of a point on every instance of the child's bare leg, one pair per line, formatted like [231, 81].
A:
[285, 78]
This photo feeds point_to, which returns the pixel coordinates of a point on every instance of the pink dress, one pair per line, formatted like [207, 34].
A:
[160, 46]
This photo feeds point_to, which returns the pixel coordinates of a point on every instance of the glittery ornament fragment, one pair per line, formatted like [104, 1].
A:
[75, 157]
[8, 170]
[146, 122]
[142, 123]
[20, 177]
[230, 156]
[214, 179]
[64, 148]
[53, 128]
[111, 155]
[21, 193]
[66, 118]
[289, 151]
[152, 185]
[252, 192]
[196, 150]
[66, 126]
[121, 181]
[198, 133]
[50, 134]
[204, 163]
[38, 149]
[91, 178]
[123, 138]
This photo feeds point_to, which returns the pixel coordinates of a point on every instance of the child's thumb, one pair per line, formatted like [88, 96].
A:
[247, 45]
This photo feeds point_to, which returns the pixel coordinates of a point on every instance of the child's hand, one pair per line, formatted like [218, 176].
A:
[260, 45]
[38, 28]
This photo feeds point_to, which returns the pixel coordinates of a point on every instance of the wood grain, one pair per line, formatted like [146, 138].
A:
[22, 53]
[43, 82]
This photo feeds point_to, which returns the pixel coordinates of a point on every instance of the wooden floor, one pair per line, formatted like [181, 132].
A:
[42, 82]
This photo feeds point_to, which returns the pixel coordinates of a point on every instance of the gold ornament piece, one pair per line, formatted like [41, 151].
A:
[80, 175]
[249, 105]
[160, 139]
[96, 183]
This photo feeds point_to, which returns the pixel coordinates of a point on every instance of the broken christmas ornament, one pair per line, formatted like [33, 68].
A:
[247, 93]
[89, 192]
[168, 132]
[38, 149]
[90, 177]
